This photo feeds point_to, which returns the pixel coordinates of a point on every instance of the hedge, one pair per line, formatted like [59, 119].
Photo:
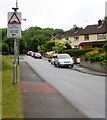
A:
[78, 52]
[94, 57]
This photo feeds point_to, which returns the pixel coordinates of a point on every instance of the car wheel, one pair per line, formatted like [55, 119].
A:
[58, 65]
[55, 65]
[72, 66]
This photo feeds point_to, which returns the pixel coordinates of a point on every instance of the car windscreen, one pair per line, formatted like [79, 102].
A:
[64, 56]
[38, 54]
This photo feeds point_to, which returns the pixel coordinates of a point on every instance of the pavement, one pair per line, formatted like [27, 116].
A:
[79, 68]
[41, 100]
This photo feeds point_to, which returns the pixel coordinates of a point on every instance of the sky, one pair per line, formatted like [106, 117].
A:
[56, 14]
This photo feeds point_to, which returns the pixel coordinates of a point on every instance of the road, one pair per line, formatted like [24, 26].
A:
[84, 91]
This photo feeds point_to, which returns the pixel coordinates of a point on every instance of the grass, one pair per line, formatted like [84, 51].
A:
[11, 97]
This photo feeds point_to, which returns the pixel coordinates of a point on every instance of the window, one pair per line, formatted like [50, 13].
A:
[76, 46]
[67, 38]
[76, 38]
[86, 37]
[101, 36]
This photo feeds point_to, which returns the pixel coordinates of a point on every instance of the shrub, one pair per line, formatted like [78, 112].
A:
[104, 62]
[105, 50]
[77, 52]
[94, 57]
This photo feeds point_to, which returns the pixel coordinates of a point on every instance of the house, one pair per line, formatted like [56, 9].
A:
[90, 37]
[76, 39]
[94, 35]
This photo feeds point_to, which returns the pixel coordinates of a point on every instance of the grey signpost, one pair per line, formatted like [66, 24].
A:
[14, 31]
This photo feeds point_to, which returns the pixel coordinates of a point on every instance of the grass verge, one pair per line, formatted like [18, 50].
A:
[11, 97]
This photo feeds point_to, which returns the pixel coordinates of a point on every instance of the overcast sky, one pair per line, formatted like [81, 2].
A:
[61, 14]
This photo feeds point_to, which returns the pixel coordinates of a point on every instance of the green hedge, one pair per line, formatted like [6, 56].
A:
[94, 57]
[78, 52]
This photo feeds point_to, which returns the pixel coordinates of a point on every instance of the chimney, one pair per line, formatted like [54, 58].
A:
[99, 23]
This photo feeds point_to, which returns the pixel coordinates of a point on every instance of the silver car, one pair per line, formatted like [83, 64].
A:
[63, 60]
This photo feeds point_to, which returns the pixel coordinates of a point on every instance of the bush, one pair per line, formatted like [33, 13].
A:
[77, 52]
[104, 62]
[94, 57]
[105, 50]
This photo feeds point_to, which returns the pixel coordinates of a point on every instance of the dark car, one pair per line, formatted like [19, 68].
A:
[38, 55]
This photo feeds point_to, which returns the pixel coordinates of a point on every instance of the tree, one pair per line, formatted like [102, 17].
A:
[9, 42]
[47, 47]
[59, 46]
[4, 32]
[23, 45]
[5, 48]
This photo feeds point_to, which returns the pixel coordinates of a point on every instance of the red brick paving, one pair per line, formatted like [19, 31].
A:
[38, 88]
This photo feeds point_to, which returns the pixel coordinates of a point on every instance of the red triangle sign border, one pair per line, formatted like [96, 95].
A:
[9, 22]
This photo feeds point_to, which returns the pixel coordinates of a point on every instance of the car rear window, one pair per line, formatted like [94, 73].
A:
[64, 56]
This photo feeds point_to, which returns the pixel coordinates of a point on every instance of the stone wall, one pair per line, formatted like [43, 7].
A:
[97, 66]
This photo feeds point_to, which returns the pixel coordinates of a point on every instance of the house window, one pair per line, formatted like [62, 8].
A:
[76, 38]
[76, 47]
[86, 37]
[101, 36]
[67, 39]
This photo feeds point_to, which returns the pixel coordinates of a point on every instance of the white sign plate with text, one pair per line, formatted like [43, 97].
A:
[14, 25]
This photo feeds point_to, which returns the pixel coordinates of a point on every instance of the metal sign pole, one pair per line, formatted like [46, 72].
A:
[14, 31]
[15, 62]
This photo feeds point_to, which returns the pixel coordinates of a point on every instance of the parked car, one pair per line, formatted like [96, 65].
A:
[53, 59]
[49, 58]
[29, 53]
[33, 54]
[38, 55]
[63, 60]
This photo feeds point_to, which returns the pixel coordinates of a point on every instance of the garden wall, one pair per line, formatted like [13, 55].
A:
[97, 66]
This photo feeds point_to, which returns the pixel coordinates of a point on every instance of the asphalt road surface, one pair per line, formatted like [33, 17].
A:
[84, 91]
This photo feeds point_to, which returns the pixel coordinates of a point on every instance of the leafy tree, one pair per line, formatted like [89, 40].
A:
[11, 51]
[4, 32]
[23, 46]
[5, 48]
[59, 46]
[42, 48]
[9, 42]
[48, 46]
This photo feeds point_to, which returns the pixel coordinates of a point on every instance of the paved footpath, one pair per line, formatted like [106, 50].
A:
[41, 100]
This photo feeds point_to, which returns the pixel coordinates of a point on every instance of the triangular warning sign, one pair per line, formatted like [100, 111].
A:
[14, 19]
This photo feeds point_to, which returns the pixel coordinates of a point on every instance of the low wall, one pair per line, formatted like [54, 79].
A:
[97, 66]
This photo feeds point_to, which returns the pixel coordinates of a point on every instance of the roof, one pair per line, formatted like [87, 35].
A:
[72, 32]
[58, 36]
[95, 29]
[90, 29]
[93, 43]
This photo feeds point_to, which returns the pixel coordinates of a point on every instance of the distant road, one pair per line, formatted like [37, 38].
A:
[84, 91]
